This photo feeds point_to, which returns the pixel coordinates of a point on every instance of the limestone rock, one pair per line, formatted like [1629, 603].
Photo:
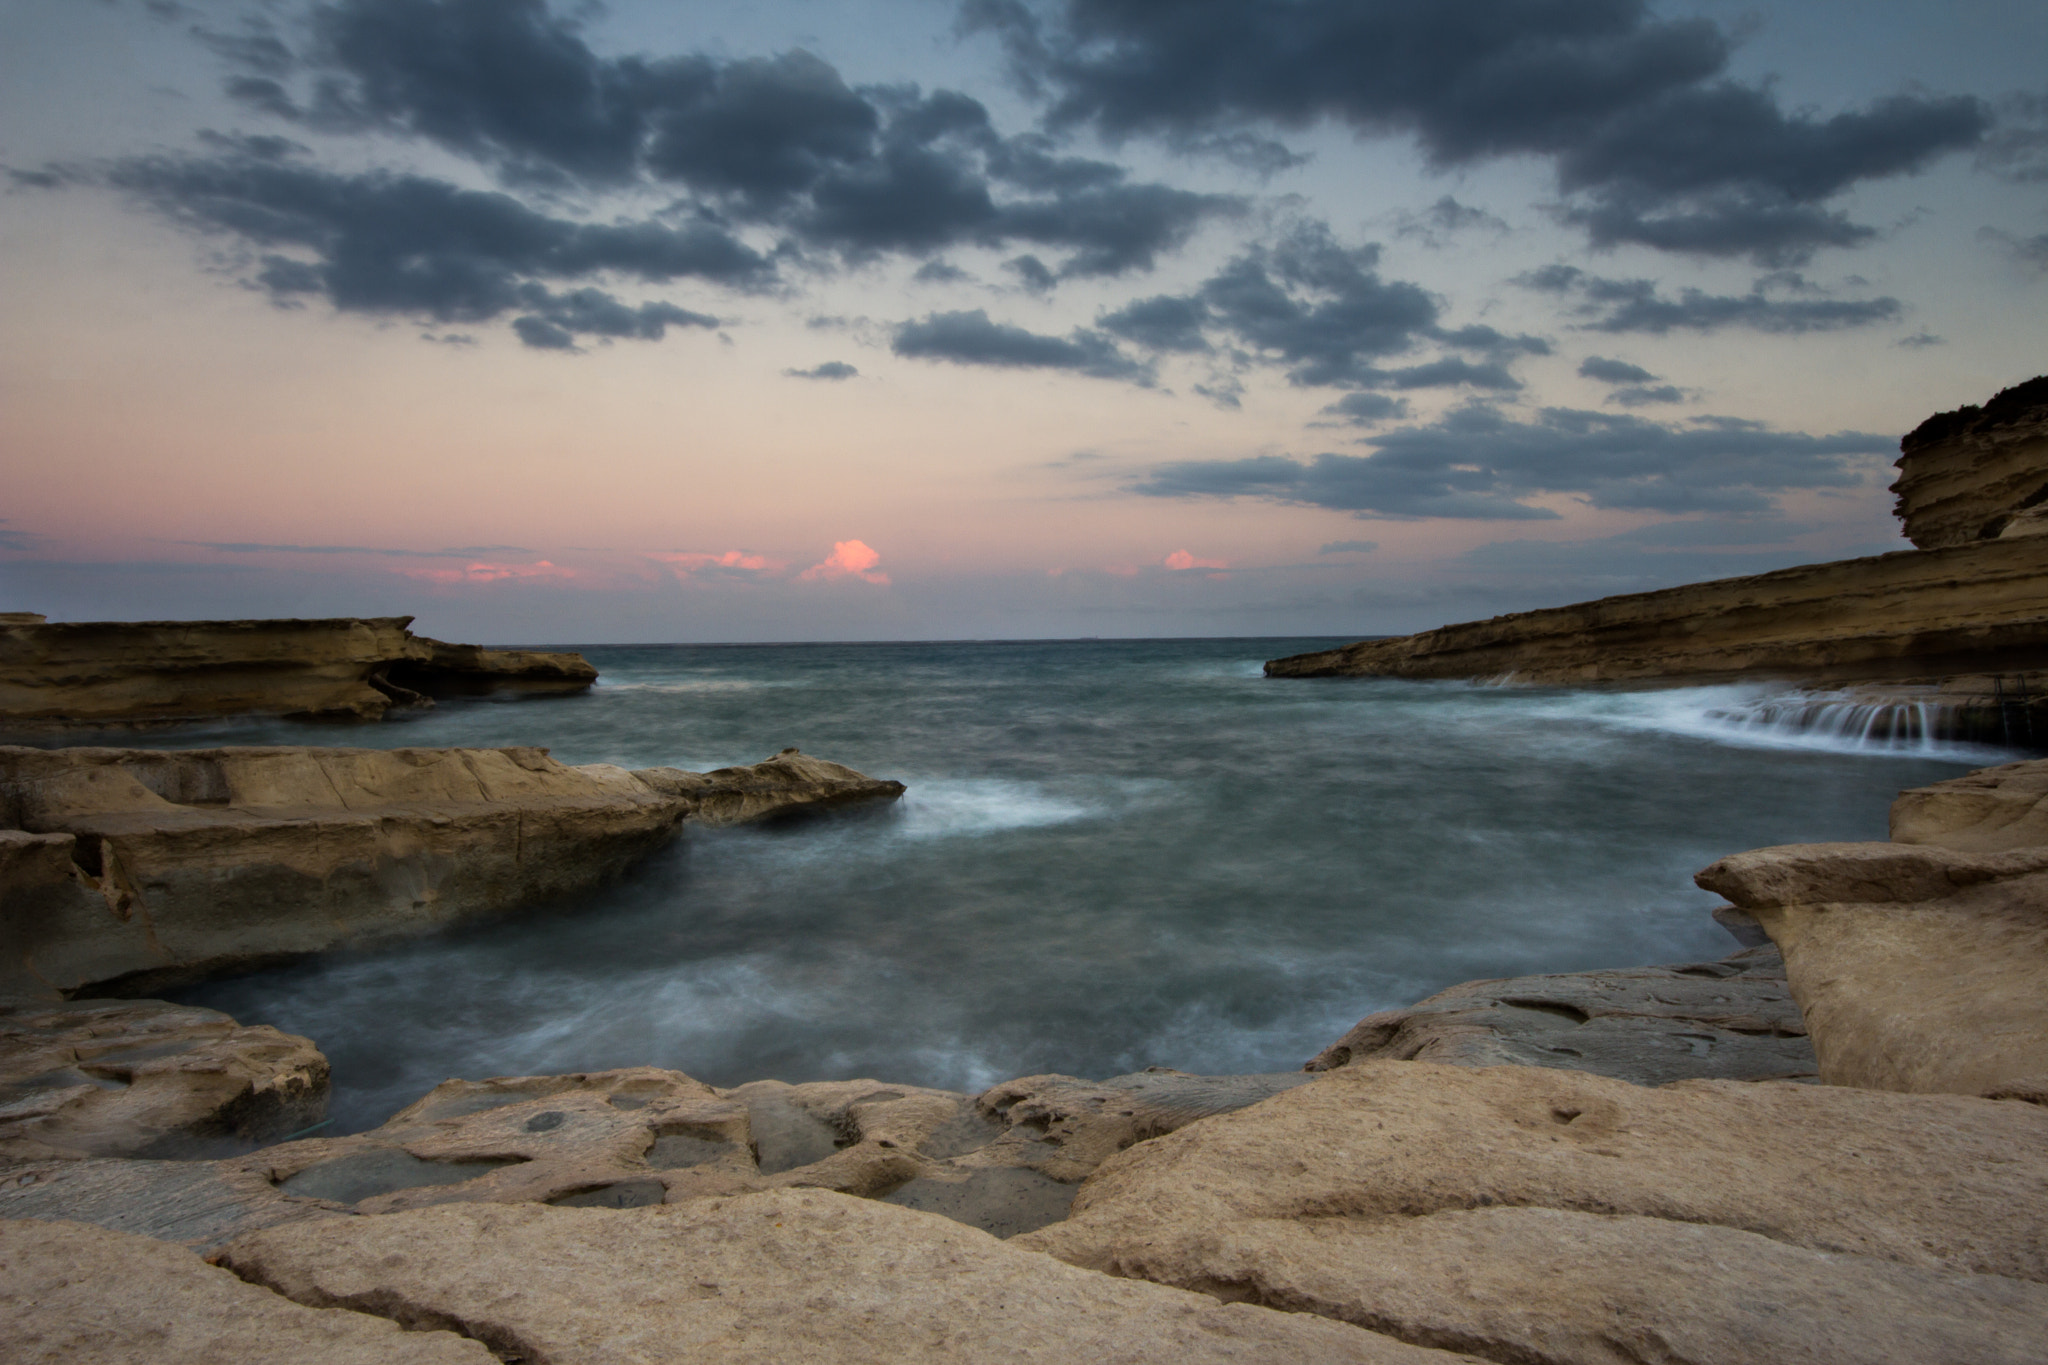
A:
[771, 1277]
[1526, 1213]
[118, 672]
[1916, 967]
[1730, 1020]
[71, 1293]
[217, 859]
[1987, 811]
[790, 781]
[1977, 473]
[1976, 608]
[147, 1078]
[200, 1204]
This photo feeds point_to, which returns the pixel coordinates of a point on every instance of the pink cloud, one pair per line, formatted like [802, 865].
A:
[683, 563]
[849, 559]
[492, 573]
[1181, 559]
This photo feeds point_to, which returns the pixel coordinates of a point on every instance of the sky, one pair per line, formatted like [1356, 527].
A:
[653, 320]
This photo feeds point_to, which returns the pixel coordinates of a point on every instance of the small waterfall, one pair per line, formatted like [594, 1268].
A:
[1891, 725]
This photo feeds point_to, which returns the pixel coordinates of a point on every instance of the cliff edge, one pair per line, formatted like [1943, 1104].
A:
[343, 668]
[1972, 599]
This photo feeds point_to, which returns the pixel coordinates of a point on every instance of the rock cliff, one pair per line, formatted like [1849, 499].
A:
[1919, 964]
[123, 672]
[1973, 493]
[1978, 473]
[126, 870]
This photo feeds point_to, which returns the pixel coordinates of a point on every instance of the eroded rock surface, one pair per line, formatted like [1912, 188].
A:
[1977, 473]
[118, 672]
[140, 868]
[1729, 1020]
[147, 1078]
[1527, 1213]
[72, 1293]
[1916, 967]
[1976, 608]
[772, 1277]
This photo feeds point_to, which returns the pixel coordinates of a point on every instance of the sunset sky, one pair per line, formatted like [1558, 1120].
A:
[794, 320]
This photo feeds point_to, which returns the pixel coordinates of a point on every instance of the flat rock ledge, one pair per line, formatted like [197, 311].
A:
[1734, 1019]
[1533, 1214]
[1920, 964]
[131, 870]
[100, 673]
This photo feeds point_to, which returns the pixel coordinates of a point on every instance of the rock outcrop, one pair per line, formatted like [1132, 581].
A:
[1729, 1020]
[70, 1293]
[125, 672]
[1921, 964]
[1980, 608]
[128, 870]
[1977, 473]
[1526, 1213]
[1973, 599]
[146, 1078]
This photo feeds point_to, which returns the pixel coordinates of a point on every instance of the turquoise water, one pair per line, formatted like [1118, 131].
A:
[1113, 854]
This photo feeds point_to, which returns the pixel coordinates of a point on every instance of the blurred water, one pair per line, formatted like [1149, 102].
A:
[1113, 854]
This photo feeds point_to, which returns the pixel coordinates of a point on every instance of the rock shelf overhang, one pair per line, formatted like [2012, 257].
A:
[87, 673]
[125, 871]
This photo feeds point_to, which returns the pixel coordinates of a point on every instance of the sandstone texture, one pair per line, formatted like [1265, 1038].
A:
[773, 1277]
[1006, 1162]
[70, 1294]
[122, 672]
[1535, 1214]
[146, 1078]
[1977, 608]
[1978, 473]
[128, 870]
[1729, 1020]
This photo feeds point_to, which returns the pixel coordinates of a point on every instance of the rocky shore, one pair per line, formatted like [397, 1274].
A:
[1957, 621]
[1831, 1146]
[98, 673]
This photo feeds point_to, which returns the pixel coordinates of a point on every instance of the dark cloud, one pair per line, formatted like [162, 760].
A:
[1163, 322]
[1611, 305]
[970, 338]
[831, 369]
[1643, 395]
[1613, 371]
[1349, 547]
[1365, 409]
[779, 142]
[1449, 372]
[406, 245]
[1921, 339]
[1497, 344]
[940, 272]
[1651, 143]
[1477, 463]
[2017, 148]
[1031, 273]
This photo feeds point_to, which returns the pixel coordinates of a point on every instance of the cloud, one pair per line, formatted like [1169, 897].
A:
[1349, 547]
[781, 141]
[384, 244]
[1921, 339]
[1180, 561]
[1643, 395]
[2017, 148]
[2031, 251]
[1160, 323]
[849, 559]
[1650, 141]
[831, 369]
[242, 547]
[485, 572]
[1365, 409]
[1613, 371]
[1444, 219]
[731, 564]
[1611, 305]
[1477, 463]
[970, 338]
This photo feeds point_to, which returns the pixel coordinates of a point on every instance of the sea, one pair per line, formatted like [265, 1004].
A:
[1112, 855]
